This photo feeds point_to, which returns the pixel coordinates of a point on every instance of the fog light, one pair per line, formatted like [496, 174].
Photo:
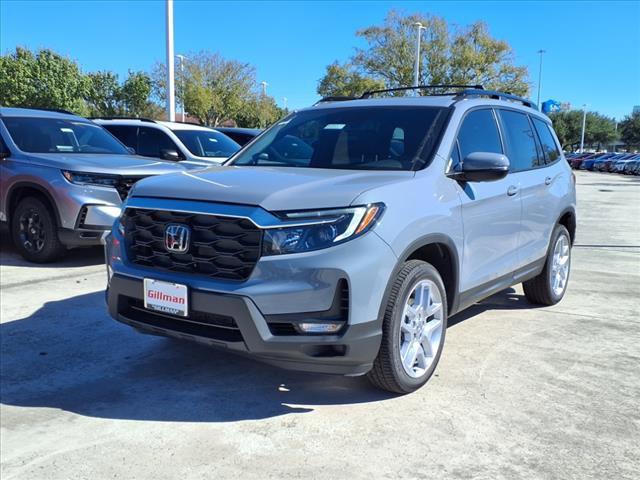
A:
[329, 327]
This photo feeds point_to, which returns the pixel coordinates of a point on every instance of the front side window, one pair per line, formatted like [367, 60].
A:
[362, 138]
[478, 133]
[520, 139]
[153, 142]
[549, 146]
[203, 143]
[126, 134]
[55, 135]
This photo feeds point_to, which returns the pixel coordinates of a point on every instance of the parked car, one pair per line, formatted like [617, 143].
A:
[63, 180]
[180, 142]
[242, 136]
[345, 250]
[618, 165]
[631, 168]
[601, 161]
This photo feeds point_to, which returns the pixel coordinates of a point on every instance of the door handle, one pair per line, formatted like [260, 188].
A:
[547, 181]
[512, 190]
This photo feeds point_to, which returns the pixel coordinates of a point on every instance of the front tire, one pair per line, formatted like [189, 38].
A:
[549, 287]
[34, 231]
[413, 329]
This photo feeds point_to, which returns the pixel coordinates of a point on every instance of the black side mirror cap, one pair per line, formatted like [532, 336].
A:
[170, 155]
[482, 167]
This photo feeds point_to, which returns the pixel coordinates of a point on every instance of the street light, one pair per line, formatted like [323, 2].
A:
[264, 88]
[182, 58]
[541, 52]
[171, 105]
[584, 123]
[416, 67]
[285, 102]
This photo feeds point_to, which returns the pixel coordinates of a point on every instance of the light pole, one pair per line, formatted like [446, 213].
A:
[182, 58]
[171, 106]
[264, 88]
[584, 124]
[285, 102]
[541, 52]
[416, 66]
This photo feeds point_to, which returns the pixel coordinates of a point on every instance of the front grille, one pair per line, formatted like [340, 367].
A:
[201, 324]
[124, 184]
[220, 247]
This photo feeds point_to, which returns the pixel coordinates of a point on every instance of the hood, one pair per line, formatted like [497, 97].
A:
[272, 188]
[111, 164]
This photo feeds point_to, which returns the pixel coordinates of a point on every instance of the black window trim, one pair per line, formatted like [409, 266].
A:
[535, 139]
[553, 137]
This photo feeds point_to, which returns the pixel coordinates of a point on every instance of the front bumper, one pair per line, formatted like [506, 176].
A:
[234, 322]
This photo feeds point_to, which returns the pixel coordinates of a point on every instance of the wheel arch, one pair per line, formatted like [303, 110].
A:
[21, 190]
[568, 219]
[440, 251]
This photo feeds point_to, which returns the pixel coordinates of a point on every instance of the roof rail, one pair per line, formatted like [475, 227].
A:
[337, 98]
[142, 119]
[419, 87]
[495, 95]
[57, 110]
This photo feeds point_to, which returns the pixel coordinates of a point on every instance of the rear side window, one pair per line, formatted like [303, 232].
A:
[154, 143]
[479, 133]
[127, 135]
[549, 146]
[520, 140]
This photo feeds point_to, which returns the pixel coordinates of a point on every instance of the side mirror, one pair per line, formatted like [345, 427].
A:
[170, 155]
[481, 167]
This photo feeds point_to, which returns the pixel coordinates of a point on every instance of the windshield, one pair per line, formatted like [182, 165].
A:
[55, 135]
[203, 143]
[366, 138]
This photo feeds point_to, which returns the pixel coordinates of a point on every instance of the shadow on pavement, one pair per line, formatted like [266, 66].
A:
[72, 356]
[77, 257]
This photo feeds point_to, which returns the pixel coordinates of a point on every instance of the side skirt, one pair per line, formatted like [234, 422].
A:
[474, 295]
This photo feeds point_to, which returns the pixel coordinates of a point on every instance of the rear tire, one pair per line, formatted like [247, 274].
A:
[413, 329]
[34, 231]
[549, 287]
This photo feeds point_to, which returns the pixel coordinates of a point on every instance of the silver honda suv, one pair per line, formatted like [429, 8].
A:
[343, 238]
[62, 180]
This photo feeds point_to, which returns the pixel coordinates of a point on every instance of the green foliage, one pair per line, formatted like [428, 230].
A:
[103, 95]
[216, 90]
[41, 80]
[629, 129]
[599, 129]
[135, 93]
[346, 80]
[466, 55]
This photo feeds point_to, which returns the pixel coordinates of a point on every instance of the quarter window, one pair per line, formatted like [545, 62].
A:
[549, 146]
[520, 139]
[479, 133]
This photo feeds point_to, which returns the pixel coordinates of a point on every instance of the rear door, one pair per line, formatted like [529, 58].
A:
[490, 210]
[529, 171]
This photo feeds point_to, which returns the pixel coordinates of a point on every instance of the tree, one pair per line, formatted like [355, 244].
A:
[135, 94]
[466, 55]
[103, 94]
[41, 80]
[345, 80]
[630, 129]
[259, 111]
[215, 89]
[599, 129]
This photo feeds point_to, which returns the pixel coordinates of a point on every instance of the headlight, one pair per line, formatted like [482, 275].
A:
[320, 229]
[81, 178]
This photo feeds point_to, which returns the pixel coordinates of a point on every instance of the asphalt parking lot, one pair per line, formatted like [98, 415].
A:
[520, 392]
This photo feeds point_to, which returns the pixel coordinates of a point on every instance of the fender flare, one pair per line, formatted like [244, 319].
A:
[420, 242]
[35, 186]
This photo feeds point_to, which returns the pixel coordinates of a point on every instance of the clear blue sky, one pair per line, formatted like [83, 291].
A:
[593, 48]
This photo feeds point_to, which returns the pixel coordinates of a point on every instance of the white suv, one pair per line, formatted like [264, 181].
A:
[180, 142]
